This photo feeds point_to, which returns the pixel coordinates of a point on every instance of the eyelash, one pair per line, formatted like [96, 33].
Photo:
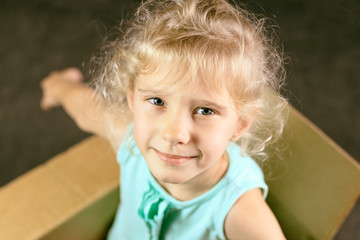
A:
[206, 109]
[155, 101]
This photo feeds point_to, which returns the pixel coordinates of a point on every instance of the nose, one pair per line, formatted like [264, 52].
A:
[176, 129]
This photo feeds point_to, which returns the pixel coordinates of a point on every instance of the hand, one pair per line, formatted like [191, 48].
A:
[55, 85]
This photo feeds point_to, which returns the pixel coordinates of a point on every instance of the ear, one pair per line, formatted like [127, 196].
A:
[243, 125]
[130, 99]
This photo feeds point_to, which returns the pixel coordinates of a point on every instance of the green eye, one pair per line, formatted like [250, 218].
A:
[205, 111]
[156, 101]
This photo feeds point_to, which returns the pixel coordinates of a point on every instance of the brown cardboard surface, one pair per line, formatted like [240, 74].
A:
[91, 223]
[316, 183]
[49, 195]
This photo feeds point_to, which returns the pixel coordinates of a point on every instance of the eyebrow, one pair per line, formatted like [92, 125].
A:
[152, 91]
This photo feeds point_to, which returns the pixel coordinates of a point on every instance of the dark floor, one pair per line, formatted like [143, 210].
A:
[322, 38]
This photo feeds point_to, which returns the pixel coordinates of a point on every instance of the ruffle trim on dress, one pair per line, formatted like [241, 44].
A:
[152, 210]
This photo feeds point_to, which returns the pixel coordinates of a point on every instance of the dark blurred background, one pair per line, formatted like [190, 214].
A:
[321, 37]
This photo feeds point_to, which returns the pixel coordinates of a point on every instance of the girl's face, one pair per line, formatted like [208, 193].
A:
[182, 132]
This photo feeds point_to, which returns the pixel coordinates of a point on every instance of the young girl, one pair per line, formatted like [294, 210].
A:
[173, 93]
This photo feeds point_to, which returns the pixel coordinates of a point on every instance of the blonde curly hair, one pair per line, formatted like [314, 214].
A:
[211, 42]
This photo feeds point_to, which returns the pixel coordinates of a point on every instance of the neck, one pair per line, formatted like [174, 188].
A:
[199, 184]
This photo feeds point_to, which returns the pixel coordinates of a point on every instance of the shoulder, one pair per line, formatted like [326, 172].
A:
[243, 164]
[251, 218]
[243, 174]
[128, 151]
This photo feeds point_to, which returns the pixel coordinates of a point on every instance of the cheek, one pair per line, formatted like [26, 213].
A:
[214, 141]
[144, 125]
[141, 128]
[219, 131]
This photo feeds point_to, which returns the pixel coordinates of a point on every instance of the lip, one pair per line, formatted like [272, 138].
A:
[173, 159]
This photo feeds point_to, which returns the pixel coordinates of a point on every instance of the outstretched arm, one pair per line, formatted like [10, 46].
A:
[88, 109]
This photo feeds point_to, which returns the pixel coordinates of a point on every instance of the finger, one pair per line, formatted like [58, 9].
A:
[74, 75]
[43, 105]
[46, 103]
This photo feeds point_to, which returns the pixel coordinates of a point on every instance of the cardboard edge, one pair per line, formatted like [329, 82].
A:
[337, 147]
[323, 135]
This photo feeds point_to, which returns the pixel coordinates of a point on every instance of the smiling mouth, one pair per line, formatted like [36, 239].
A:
[173, 159]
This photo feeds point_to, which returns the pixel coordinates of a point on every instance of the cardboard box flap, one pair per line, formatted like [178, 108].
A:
[47, 196]
[316, 183]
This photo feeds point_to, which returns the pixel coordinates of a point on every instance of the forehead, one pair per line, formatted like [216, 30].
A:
[163, 82]
[179, 74]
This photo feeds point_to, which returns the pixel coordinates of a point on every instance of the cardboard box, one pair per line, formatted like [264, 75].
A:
[72, 196]
[75, 194]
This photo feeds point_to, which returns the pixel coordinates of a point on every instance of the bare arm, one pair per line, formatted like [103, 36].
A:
[251, 218]
[82, 103]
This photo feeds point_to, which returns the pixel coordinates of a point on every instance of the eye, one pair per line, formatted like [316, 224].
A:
[205, 111]
[156, 101]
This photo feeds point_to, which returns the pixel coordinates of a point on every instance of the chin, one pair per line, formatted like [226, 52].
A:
[170, 178]
[173, 181]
